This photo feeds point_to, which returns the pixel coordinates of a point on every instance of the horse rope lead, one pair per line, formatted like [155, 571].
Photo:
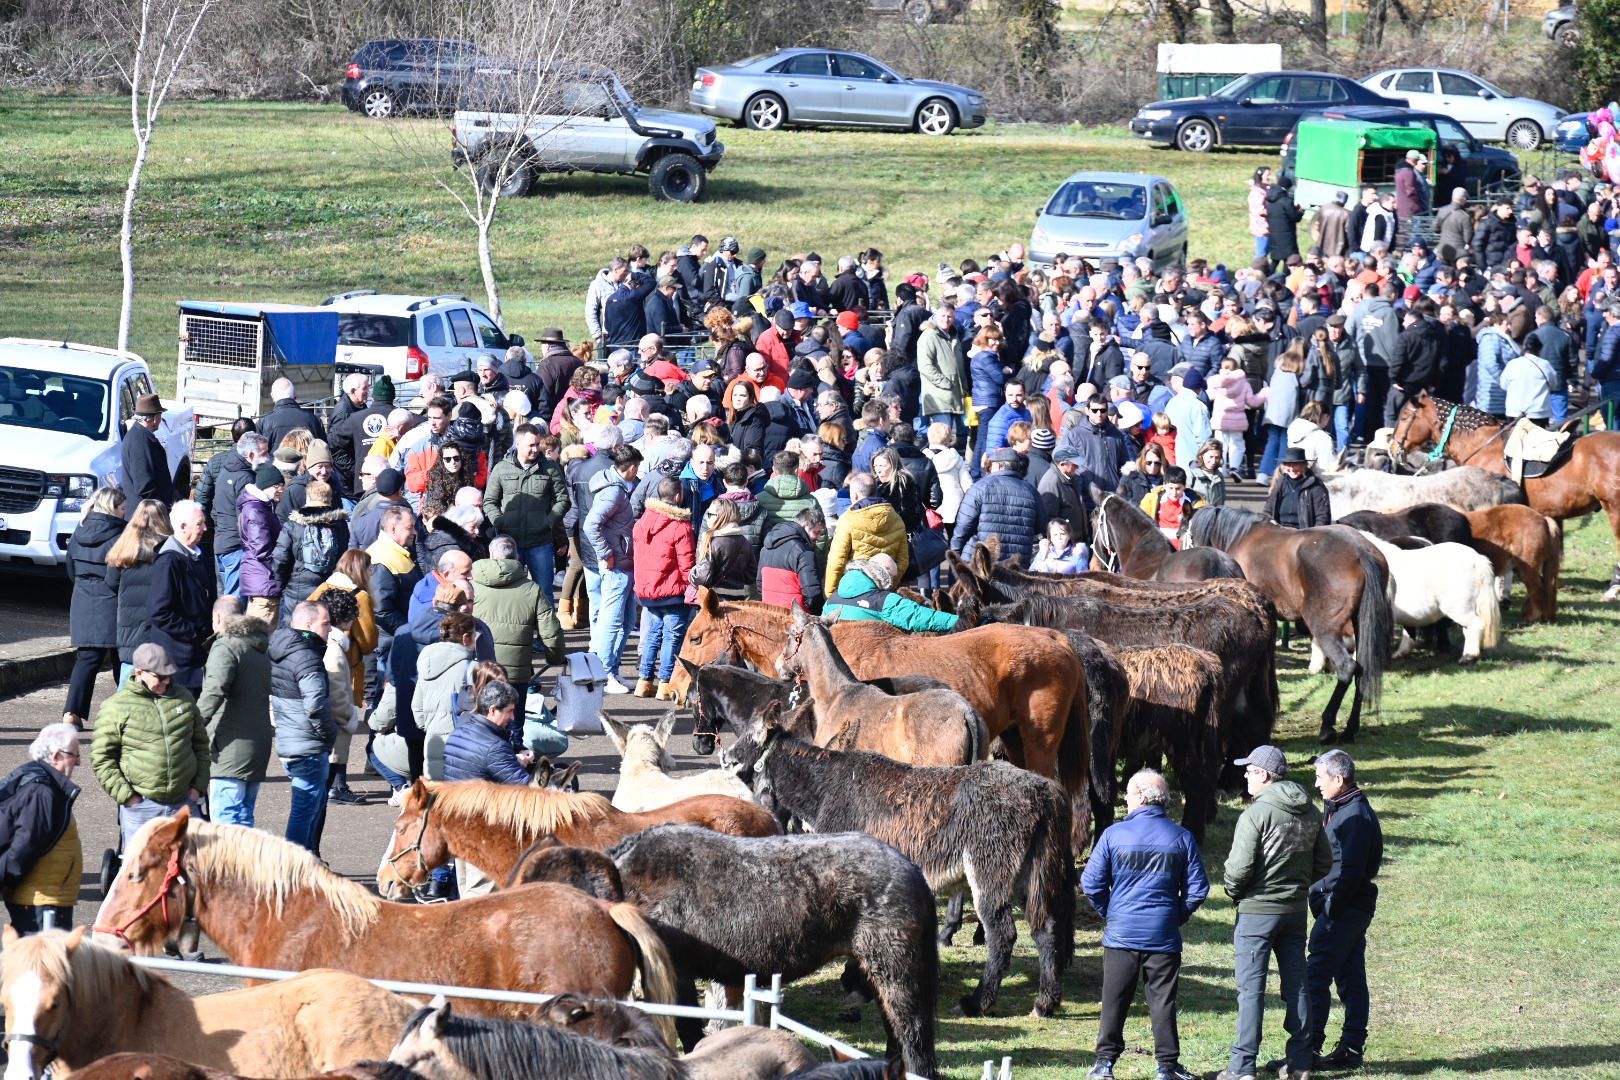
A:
[171, 876]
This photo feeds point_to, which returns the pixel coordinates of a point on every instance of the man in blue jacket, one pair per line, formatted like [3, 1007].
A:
[1002, 505]
[624, 319]
[1146, 878]
[481, 749]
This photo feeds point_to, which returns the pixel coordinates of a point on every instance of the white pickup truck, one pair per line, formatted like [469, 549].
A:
[63, 412]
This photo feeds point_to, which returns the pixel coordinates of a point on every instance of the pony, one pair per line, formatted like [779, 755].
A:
[490, 824]
[893, 1069]
[1176, 696]
[1444, 581]
[930, 727]
[164, 1067]
[1434, 522]
[1329, 577]
[645, 782]
[70, 1000]
[548, 775]
[438, 1043]
[1587, 480]
[748, 1053]
[272, 904]
[1518, 539]
[1001, 832]
[1124, 540]
[1023, 680]
[1461, 489]
[729, 906]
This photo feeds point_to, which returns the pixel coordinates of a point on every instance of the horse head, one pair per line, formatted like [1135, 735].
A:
[1417, 425]
[415, 848]
[149, 898]
[714, 631]
[423, 1046]
[36, 992]
[548, 775]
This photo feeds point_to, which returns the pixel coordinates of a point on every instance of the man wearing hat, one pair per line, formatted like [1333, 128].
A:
[849, 325]
[1059, 490]
[801, 398]
[555, 368]
[698, 381]
[143, 465]
[150, 751]
[1278, 849]
[780, 339]
[1002, 505]
[1298, 499]
[318, 465]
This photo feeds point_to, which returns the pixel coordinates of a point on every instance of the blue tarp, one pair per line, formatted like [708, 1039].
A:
[299, 334]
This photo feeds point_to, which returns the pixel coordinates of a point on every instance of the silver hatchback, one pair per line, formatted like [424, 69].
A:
[825, 86]
[1105, 215]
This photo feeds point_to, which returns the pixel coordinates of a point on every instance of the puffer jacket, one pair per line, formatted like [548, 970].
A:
[182, 602]
[1230, 395]
[858, 599]
[517, 613]
[258, 530]
[478, 750]
[308, 549]
[1495, 350]
[788, 574]
[43, 859]
[300, 702]
[526, 502]
[951, 470]
[752, 520]
[93, 611]
[729, 566]
[1278, 849]
[236, 685]
[151, 746]
[1146, 878]
[989, 382]
[869, 527]
[1004, 506]
[782, 498]
[609, 523]
[134, 588]
[442, 698]
[665, 551]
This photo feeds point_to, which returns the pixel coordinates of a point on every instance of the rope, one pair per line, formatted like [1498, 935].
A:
[1439, 450]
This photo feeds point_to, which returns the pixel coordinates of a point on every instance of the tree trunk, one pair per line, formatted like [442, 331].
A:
[486, 264]
[1318, 29]
[126, 245]
[1222, 20]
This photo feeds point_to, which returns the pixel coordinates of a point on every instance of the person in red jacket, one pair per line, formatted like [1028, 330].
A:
[778, 341]
[788, 573]
[665, 553]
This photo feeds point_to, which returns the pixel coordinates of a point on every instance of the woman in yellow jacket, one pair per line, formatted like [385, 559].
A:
[42, 859]
[352, 576]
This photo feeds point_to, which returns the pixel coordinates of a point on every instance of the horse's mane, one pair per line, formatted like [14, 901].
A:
[1222, 526]
[270, 868]
[488, 1047]
[1033, 609]
[1468, 417]
[766, 612]
[97, 977]
[528, 811]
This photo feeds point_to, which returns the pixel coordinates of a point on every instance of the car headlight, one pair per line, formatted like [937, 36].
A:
[1132, 245]
[1153, 114]
[73, 490]
[1039, 238]
[975, 99]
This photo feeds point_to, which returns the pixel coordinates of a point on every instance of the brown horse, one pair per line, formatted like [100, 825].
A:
[1124, 540]
[929, 727]
[1588, 479]
[1519, 540]
[1025, 680]
[1330, 577]
[272, 904]
[164, 1067]
[489, 825]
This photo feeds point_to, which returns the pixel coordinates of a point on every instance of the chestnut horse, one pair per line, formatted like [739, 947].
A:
[272, 904]
[1588, 479]
[1023, 680]
[1519, 540]
[1124, 540]
[489, 825]
[74, 1002]
[164, 1067]
[1330, 577]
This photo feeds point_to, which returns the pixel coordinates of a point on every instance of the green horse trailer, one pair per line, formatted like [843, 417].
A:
[1327, 156]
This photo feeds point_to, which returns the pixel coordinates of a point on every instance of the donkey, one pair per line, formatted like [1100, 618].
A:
[1001, 831]
[645, 782]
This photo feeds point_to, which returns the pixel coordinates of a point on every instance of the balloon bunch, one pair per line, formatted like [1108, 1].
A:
[1601, 154]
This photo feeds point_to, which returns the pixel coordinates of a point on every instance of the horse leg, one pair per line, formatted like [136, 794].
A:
[1353, 726]
[1050, 994]
[907, 1009]
[688, 1028]
[1318, 659]
[1001, 934]
[857, 991]
[954, 913]
[1406, 643]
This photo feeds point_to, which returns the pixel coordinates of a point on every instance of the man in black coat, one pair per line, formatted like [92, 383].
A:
[848, 291]
[1420, 358]
[233, 473]
[1496, 237]
[907, 322]
[1282, 221]
[356, 389]
[180, 618]
[36, 808]
[287, 416]
[144, 465]
[361, 430]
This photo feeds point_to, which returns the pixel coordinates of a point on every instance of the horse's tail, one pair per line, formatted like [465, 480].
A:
[1487, 609]
[1375, 625]
[1053, 880]
[978, 735]
[657, 968]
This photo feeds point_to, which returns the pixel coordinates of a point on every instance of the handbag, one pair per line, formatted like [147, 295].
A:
[928, 549]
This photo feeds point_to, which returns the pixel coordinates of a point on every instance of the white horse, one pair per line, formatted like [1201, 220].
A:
[645, 782]
[1444, 581]
[1464, 488]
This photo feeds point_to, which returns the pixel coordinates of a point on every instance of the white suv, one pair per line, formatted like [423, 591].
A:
[409, 336]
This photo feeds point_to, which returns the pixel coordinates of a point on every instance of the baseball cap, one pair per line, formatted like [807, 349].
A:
[801, 310]
[1267, 757]
[1006, 455]
[917, 281]
[390, 482]
[1066, 453]
[730, 244]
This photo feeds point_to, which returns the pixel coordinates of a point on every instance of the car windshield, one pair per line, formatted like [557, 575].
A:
[53, 402]
[382, 331]
[1084, 198]
[1236, 88]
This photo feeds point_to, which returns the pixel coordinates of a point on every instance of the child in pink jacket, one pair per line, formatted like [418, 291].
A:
[1230, 395]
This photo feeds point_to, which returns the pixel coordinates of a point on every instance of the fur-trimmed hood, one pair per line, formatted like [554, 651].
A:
[318, 515]
[255, 631]
[669, 510]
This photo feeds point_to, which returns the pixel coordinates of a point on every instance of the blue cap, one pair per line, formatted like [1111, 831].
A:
[801, 310]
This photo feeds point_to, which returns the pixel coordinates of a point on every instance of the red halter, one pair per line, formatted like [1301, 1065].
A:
[171, 875]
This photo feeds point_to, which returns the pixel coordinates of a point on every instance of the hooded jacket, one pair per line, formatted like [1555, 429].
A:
[93, 611]
[788, 573]
[526, 502]
[943, 383]
[1315, 508]
[258, 530]
[151, 746]
[859, 599]
[665, 551]
[752, 521]
[608, 525]
[782, 499]
[308, 549]
[951, 471]
[730, 565]
[517, 613]
[1278, 849]
[234, 474]
[519, 376]
[869, 527]
[362, 635]
[236, 685]
[43, 858]
[300, 699]
[441, 699]
[1146, 878]
[1001, 505]
[1420, 353]
[1230, 395]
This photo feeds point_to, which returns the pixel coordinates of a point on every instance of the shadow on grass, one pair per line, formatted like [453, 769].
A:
[1530, 1058]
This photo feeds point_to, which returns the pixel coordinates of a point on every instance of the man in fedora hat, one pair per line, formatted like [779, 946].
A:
[556, 366]
[144, 465]
[1297, 498]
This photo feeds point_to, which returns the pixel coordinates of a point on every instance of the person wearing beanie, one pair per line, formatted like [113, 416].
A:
[1188, 413]
[318, 466]
[849, 325]
[260, 528]
[389, 490]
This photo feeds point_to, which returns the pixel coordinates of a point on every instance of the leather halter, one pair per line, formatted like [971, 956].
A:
[416, 849]
[171, 875]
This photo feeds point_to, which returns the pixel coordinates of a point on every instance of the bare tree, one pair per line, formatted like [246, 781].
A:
[148, 41]
[525, 72]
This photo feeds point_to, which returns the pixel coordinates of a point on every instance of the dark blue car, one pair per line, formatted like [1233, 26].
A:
[1254, 110]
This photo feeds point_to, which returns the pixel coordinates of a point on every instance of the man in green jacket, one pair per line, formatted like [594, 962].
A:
[151, 747]
[236, 686]
[1278, 849]
[517, 614]
[526, 498]
[863, 593]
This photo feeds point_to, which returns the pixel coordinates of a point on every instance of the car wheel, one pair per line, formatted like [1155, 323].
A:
[765, 112]
[1568, 35]
[515, 184]
[1195, 137]
[917, 12]
[936, 116]
[1524, 135]
[677, 178]
[379, 103]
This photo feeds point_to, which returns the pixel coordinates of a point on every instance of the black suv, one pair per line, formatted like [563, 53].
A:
[391, 76]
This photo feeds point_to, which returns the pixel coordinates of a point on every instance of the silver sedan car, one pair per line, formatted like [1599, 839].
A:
[825, 86]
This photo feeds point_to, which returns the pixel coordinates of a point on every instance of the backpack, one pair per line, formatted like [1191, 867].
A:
[317, 549]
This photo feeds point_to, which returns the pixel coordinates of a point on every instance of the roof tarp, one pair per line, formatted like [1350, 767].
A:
[1330, 150]
[1207, 59]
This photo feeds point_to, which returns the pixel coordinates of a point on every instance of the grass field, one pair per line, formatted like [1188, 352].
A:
[1493, 953]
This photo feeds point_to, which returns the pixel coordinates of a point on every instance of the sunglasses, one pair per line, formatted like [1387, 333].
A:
[450, 458]
[1098, 412]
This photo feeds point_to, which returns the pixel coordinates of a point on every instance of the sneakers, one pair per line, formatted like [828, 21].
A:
[1102, 1070]
[644, 688]
[1278, 1067]
[1173, 1072]
[1343, 1057]
[346, 795]
[1227, 1074]
[614, 686]
[397, 799]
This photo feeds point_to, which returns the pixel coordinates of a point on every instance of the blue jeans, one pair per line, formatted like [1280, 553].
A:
[394, 779]
[1341, 426]
[542, 563]
[1254, 939]
[1338, 957]
[231, 802]
[230, 573]
[610, 614]
[131, 818]
[1610, 393]
[1262, 244]
[1558, 405]
[664, 628]
[956, 421]
[308, 776]
[1276, 443]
